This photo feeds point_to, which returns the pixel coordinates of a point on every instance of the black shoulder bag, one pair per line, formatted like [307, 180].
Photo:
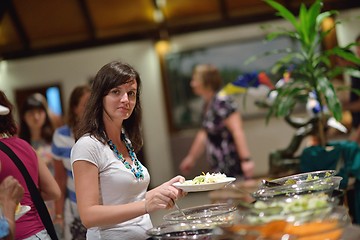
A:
[34, 192]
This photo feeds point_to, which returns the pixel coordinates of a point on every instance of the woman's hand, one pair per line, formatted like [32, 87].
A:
[187, 164]
[163, 196]
[11, 190]
[248, 168]
[59, 224]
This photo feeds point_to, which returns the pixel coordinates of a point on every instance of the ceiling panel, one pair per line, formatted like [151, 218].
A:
[238, 8]
[120, 16]
[180, 12]
[51, 22]
[43, 27]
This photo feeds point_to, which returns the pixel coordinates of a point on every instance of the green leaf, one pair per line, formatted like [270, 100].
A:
[327, 90]
[314, 12]
[265, 54]
[356, 91]
[288, 95]
[272, 36]
[320, 18]
[304, 24]
[283, 12]
[311, 18]
[343, 52]
[334, 72]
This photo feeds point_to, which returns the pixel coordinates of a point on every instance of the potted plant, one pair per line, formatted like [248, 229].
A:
[311, 75]
[311, 68]
[308, 73]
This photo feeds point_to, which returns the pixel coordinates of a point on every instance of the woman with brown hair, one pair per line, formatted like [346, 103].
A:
[37, 129]
[111, 183]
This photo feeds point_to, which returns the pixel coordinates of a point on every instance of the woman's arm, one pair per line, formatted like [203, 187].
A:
[235, 126]
[11, 192]
[93, 214]
[48, 187]
[61, 179]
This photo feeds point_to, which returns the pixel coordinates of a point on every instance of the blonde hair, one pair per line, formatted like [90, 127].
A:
[209, 75]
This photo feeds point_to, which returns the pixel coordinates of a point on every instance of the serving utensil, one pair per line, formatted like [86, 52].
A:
[179, 209]
[269, 183]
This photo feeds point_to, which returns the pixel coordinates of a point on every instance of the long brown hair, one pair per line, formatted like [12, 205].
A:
[110, 76]
[75, 97]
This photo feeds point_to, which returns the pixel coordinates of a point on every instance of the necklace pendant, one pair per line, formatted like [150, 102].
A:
[138, 173]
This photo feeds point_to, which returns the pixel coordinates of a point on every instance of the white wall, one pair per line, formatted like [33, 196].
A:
[73, 68]
[349, 29]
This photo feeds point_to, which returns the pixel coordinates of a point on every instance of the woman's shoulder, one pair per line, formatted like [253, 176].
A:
[21, 148]
[88, 141]
[223, 98]
[88, 148]
[17, 142]
[224, 101]
[87, 138]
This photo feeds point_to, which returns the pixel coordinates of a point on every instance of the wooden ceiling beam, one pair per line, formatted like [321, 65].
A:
[162, 27]
[19, 27]
[223, 9]
[88, 19]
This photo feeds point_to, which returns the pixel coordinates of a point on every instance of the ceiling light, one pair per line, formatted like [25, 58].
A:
[158, 16]
[161, 3]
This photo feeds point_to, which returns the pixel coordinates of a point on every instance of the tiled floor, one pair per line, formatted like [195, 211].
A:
[192, 199]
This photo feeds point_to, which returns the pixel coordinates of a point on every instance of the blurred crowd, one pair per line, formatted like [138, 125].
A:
[43, 141]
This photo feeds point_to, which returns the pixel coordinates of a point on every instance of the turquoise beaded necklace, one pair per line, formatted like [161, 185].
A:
[138, 173]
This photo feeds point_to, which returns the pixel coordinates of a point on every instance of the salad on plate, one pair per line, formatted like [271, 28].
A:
[205, 182]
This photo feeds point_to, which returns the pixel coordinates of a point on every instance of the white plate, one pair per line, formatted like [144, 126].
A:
[188, 187]
[23, 209]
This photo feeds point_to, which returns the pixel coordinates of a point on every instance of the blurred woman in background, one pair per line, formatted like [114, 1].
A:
[63, 140]
[37, 129]
[221, 135]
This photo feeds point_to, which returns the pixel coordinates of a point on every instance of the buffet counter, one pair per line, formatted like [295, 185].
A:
[297, 207]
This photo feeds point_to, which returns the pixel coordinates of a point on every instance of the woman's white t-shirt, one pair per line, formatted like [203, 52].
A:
[118, 185]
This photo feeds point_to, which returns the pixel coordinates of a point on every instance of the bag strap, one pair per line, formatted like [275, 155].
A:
[34, 192]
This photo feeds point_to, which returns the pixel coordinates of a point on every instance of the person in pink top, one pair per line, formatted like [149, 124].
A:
[30, 225]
